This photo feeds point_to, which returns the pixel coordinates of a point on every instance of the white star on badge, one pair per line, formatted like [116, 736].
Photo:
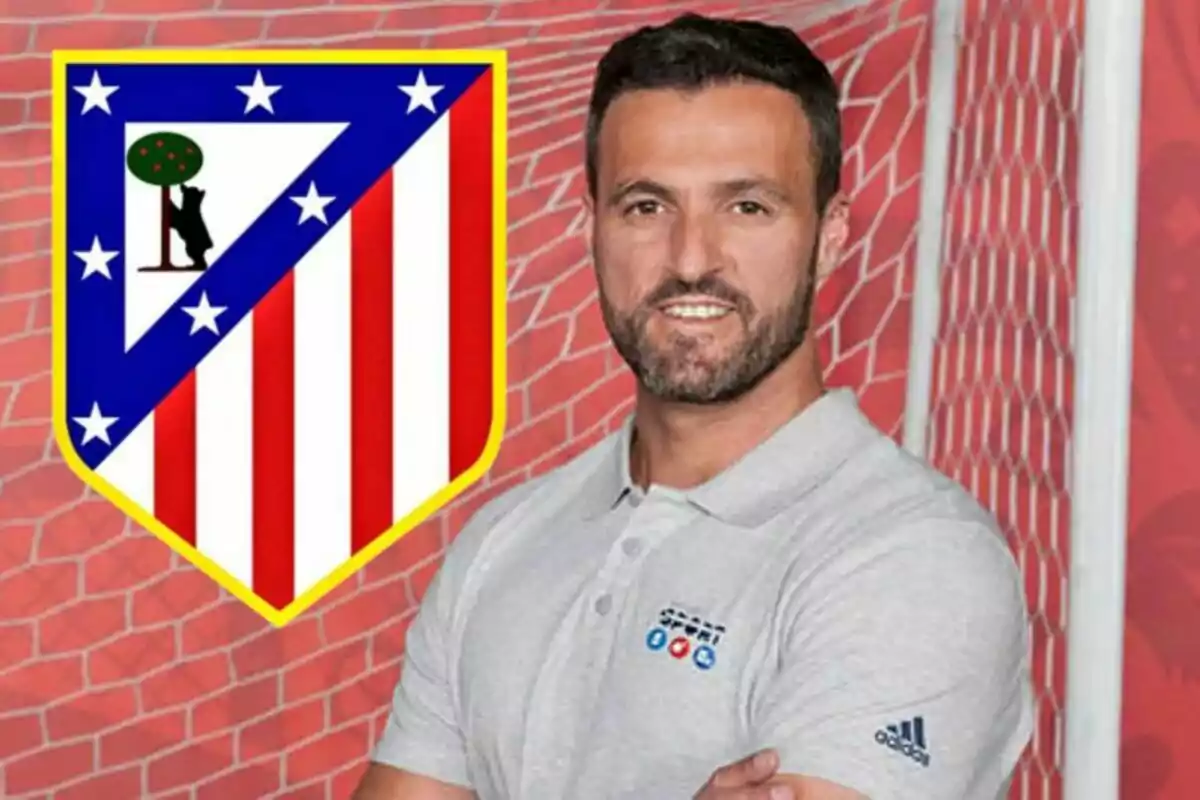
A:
[420, 94]
[95, 94]
[95, 261]
[312, 205]
[204, 315]
[258, 94]
[95, 425]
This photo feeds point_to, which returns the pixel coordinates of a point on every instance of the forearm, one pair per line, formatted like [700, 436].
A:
[381, 782]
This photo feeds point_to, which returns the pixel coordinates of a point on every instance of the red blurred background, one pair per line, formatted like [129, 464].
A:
[125, 672]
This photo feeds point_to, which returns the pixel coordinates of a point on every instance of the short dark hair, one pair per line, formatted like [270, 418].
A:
[693, 52]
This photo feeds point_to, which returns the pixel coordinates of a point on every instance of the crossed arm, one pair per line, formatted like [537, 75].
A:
[752, 778]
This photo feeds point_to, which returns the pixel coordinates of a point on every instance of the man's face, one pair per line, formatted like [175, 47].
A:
[706, 236]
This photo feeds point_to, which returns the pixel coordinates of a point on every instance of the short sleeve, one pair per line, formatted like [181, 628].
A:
[423, 734]
[903, 669]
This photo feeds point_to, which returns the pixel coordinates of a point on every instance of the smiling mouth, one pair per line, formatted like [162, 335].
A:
[698, 309]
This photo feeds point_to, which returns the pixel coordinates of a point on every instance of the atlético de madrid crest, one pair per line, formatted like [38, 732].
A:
[279, 299]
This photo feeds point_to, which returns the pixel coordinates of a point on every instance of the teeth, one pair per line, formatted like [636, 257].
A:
[696, 311]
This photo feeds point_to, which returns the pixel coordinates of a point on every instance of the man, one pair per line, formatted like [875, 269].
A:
[749, 565]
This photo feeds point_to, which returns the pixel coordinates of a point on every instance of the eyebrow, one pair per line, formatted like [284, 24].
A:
[764, 185]
[726, 188]
[642, 186]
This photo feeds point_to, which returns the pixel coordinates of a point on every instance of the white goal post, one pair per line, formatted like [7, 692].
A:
[1100, 344]
[1108, 173]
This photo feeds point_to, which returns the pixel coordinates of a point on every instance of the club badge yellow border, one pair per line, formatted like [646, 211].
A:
[498, 61]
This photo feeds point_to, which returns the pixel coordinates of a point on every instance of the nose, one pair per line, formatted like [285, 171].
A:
[695, 247]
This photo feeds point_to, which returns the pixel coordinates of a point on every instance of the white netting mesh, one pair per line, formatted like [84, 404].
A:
[1001, 401]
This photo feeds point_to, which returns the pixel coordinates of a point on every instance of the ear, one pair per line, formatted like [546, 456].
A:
[835, 230]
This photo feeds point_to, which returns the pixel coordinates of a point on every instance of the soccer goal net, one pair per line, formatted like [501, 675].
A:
[984, 309]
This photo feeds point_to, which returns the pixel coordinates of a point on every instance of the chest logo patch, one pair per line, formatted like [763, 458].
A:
[682, 635]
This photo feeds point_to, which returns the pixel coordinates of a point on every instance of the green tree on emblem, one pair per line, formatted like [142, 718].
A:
[167, 159]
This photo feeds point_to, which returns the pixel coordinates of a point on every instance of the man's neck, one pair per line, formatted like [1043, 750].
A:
[682, 446]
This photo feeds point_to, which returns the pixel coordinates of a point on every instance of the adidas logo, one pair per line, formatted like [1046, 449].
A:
[908, 738]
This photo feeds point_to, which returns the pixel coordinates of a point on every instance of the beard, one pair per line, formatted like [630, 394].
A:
[680, 372]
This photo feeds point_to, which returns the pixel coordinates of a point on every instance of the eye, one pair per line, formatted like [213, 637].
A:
[749, 207]
[643, 208]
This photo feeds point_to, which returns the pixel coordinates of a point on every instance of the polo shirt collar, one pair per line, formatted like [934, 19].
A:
[795, 459]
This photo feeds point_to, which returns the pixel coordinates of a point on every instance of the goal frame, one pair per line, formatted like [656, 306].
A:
[1102, 344]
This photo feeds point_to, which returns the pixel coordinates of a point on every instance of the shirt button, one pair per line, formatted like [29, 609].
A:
[631, 546]
[603, 604]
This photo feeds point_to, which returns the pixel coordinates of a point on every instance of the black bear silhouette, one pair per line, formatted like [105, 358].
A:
[188, 221]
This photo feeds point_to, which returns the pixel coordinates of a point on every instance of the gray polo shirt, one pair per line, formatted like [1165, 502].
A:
[828, 595]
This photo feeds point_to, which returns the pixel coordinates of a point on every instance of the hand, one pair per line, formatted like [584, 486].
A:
[746, 780]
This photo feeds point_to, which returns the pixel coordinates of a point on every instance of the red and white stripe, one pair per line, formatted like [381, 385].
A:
[359, 387]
